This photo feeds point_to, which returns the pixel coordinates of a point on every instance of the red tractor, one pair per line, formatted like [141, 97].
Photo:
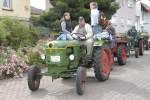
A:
[120, 49]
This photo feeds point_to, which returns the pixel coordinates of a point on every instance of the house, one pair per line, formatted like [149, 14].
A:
[36, 11]
[15, 8]
[132, 13]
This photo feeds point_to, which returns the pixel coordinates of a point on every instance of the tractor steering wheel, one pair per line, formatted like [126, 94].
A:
[78, 36]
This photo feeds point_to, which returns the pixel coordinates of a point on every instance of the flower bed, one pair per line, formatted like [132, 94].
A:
[10, 64]
[14, 64]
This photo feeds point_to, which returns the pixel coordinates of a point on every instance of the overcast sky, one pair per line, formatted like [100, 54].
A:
[38, 4]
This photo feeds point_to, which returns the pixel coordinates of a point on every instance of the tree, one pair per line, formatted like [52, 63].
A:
[76, 8]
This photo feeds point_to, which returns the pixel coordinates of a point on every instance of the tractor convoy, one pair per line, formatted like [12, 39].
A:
[92, 46]
[66, 59]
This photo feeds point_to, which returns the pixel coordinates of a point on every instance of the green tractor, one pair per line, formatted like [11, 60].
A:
[67, 59]
[136, 43]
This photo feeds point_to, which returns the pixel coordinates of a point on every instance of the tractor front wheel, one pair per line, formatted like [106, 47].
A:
[147, 45]
[102, 63]
[80, 80]
[34, 78]
[122, 55]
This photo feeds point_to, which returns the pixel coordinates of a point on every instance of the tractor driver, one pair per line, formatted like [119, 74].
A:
[85, 30]
[132, 32]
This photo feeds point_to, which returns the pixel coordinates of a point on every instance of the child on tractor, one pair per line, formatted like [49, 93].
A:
[95, 18]
[66, 27]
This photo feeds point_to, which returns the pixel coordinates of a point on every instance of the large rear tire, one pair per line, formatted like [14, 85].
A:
[102, 63]
[147, 45]
[122, 55]
[34, 78]
[141, 48]
[80, 80]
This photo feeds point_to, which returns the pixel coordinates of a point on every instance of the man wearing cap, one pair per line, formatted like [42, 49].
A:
[85, 30]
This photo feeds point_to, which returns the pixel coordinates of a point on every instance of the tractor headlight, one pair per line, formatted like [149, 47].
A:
[71, 57]
[43, 56]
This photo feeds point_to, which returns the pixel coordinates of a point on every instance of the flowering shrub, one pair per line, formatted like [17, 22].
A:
[11, 65]
[14, 64]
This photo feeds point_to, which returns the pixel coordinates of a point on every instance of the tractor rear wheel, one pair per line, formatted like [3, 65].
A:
[34, 78]
[128, 51]
[80, 80]
[147, 46]
[102, 63]
[141, 47]
[137, 52]
[122, 55]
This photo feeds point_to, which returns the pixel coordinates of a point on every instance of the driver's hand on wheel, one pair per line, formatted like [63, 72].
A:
[83, 38]
[74, 36]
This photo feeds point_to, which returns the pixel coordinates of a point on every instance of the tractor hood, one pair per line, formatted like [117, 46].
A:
[62, 44]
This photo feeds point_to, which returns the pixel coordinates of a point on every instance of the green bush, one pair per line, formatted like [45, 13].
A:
[34, 58]
[16, 34]
[34, 35]
[3, 34]
[43, 31]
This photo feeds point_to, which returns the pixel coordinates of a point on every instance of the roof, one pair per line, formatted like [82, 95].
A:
[146, 5]
[36, 11]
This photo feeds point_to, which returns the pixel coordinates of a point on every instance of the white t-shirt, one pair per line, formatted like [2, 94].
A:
[95, 15]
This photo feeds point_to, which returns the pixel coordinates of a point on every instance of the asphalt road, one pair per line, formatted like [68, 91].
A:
[129, 82]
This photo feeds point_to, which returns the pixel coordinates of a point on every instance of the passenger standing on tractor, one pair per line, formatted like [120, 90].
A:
[66, 27]
[111, 30]
[95, 18]
[85, 30]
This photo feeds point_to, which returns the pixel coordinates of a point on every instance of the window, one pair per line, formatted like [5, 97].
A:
[7, 4]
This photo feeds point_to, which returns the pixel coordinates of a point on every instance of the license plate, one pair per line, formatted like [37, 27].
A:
[55, 58]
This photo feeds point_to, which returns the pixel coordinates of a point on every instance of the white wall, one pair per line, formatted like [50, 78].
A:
[147, 22]
[124, 17]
